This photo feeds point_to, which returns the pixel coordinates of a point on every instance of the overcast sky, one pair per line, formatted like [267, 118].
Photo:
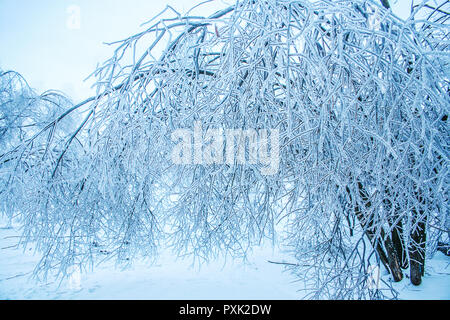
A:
[44, 42]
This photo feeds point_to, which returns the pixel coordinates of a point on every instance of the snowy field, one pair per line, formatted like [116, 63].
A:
[169, 278]
[178, 279]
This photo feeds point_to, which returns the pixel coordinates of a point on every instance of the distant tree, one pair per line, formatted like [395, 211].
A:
[24, 115]
[23, 112]
[360, 98]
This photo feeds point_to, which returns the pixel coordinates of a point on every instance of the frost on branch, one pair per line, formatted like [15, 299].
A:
[360, 99]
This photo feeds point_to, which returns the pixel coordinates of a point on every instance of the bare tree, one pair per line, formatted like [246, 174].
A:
[360, 98]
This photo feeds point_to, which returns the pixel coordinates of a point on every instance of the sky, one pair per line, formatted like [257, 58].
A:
[56, 44]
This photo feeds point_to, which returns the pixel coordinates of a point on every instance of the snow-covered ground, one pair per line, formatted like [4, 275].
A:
[169, 278]
[177, 279]
[435, 283]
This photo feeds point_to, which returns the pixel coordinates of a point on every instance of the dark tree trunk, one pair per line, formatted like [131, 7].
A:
[418, 239]
[399, 245]
[418, 245]
[396, 224]
[389, 257]
[393, 261]
[385, 3]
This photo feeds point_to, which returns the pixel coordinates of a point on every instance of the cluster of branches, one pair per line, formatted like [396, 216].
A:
[24, 115]
[361, 101]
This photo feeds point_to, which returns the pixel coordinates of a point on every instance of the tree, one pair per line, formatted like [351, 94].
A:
[24, 115]
[360, 99]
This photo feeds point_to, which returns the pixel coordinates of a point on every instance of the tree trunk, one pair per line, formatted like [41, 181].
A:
[388, 258]
[418, 246]
[385, 4]
[417, 233]
[396, 225]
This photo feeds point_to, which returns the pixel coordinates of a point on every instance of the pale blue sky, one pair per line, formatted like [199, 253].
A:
[36, 41]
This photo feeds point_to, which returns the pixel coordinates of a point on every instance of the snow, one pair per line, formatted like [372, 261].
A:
[435, 283]
[170, 278]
